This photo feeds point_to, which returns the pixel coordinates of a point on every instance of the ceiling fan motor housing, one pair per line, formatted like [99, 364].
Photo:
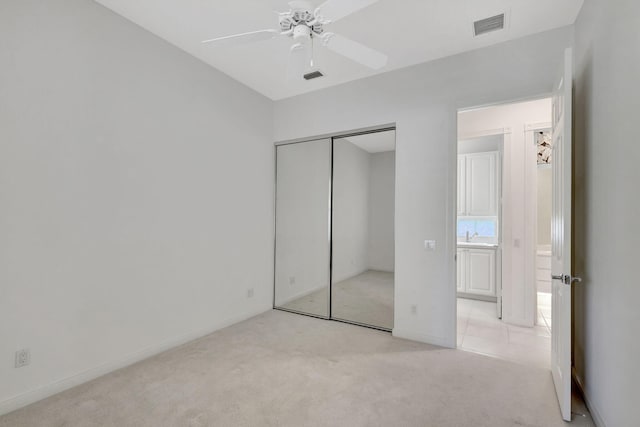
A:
[301, 33]
[301, 22]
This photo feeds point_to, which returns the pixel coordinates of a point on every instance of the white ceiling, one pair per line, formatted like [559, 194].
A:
[377, 142]
[408, 31]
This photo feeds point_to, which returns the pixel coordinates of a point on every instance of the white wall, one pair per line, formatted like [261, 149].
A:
[136, 186]
[422, 101]
[351, 187]
[519, 241]
[302, 221]
[607, 208]
[381, 241]
[544, 205]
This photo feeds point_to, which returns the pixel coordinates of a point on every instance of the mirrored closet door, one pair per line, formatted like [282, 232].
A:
[363, 255]
[303, 197]
[334, 250]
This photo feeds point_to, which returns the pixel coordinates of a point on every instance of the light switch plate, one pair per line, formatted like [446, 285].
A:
[429, 245]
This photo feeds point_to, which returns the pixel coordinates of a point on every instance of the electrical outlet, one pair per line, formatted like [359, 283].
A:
[23, 357]
[292, 280]
[414, 309]
[250, 293]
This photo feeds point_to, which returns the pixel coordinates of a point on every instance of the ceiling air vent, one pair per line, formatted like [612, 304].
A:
[487, 25]
[313, 75]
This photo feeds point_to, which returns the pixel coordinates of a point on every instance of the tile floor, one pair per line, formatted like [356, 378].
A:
[544, 309]
[480, 331]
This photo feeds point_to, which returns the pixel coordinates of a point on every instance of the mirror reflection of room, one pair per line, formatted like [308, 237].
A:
[363, 255]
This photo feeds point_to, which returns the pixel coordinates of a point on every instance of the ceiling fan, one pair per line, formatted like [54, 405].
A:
[304, 24]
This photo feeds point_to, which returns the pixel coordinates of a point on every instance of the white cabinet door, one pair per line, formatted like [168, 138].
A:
[482, 184]
[461, 268]
[462, 184]
[481, 272]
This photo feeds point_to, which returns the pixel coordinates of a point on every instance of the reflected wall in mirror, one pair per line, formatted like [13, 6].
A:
[303, 191]
[363, 252]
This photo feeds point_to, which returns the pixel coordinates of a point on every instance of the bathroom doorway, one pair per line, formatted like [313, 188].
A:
[501, 222]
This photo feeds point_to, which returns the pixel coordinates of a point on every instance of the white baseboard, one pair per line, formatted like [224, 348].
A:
[63, 384]
[425, 338]
[597, 418]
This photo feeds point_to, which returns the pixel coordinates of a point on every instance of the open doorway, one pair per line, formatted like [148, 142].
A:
[544, 186]
[503, 231]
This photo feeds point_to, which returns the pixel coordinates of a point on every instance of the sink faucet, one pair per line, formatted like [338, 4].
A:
[470, 237]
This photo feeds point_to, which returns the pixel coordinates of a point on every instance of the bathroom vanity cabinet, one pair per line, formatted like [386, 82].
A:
[477, 270]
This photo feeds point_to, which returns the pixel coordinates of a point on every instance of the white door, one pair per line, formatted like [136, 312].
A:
[561, 238]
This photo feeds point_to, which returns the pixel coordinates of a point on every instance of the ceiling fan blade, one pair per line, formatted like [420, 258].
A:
[332, 10]
[253, 36]
[298, 61]
[354, 51]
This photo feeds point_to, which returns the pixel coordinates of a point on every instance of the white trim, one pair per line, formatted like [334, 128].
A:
[481, 133]
[451, 238]
[339, 134]
[532, 127]
[506, 229]
[32, 396]
[595, 414]
[530, 225]
[520, 100]
[428, 339]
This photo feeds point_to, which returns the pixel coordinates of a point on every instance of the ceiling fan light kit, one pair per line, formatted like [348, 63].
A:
[302, 24]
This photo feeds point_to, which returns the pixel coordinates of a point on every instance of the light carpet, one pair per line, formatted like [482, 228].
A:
[283, 369]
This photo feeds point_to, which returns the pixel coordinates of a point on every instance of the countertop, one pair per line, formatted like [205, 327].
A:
[478, 245]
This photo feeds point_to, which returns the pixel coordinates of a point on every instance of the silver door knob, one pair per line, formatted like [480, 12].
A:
[566, 279]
